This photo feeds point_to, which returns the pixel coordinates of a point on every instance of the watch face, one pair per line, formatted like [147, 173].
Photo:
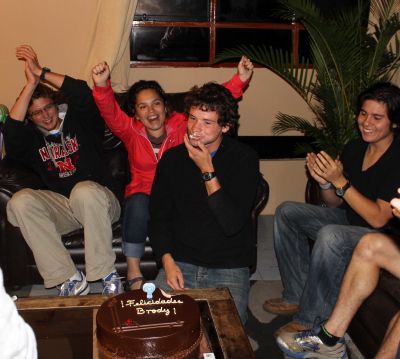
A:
[208, 176]
[339, 192]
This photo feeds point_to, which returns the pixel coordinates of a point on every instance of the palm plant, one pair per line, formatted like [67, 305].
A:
[346, 57]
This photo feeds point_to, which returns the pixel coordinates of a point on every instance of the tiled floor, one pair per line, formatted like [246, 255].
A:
[267, 266]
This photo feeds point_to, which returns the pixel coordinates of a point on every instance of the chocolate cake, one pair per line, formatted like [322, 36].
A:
[132, 325]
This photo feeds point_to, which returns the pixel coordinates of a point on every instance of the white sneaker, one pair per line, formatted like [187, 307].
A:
[112, 284]
[307, 344]
[75, 287]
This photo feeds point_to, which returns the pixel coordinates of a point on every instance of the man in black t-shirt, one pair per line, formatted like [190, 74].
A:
[356, 189]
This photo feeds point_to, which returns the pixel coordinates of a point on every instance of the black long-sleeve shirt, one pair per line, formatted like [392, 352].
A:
[212, 231]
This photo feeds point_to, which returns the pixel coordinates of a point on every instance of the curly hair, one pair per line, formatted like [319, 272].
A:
[214, 97]
[129, 101]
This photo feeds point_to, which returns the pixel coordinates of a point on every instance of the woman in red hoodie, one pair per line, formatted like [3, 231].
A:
[147, 132]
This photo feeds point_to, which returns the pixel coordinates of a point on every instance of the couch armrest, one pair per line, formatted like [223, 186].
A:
[14, 177]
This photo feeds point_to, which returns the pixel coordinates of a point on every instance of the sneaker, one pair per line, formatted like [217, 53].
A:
[306, 344]
[75, 287]
[112, 284]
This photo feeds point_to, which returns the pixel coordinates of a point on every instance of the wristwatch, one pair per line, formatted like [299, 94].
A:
[43, 73]
[207, 176]
[340, 191]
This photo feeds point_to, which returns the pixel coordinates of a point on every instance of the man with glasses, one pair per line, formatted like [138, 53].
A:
[65, 149]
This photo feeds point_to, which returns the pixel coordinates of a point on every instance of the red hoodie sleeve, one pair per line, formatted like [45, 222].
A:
[116, 119]
[236, 86]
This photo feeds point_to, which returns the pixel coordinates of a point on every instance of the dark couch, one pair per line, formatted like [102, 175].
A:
[368, 327]
[16, 258]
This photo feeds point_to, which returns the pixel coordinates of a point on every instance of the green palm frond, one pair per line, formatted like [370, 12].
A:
[346, 57]
[289, 122]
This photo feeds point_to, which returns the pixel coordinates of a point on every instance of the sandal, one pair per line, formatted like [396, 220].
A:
[129, 282]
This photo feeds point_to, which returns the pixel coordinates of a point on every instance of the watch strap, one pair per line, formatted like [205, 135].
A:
[45, 70]
[208, 176]
[340, 191]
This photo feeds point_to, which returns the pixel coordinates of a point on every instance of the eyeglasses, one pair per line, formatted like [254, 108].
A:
[50, 106]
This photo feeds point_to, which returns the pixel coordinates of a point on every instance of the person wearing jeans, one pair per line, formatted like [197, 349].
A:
[201, 202]
[356, 190]
[311, 280]
[135, 228]
[374, 252]
[237, 280]
[148, 129]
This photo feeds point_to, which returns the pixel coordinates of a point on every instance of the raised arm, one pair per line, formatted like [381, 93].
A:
[245, 69]
[20, 108]
[17, 140]
[100, 74]
[116, 119]
[27, 54]
[237, 84]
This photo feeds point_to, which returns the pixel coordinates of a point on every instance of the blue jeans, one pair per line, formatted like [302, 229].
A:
[135, 224]
[236, 279]
[313, 279]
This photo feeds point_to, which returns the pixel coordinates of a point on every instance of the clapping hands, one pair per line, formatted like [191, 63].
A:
[323, 168]
[32, 66]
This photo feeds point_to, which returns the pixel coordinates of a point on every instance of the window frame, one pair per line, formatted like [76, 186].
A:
[213, 25]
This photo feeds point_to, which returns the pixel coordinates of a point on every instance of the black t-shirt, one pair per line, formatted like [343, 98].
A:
[381, 180]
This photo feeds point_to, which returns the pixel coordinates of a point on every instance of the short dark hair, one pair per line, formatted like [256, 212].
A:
[44, 91]
[131, 95]
[384, 92]
[214, 97]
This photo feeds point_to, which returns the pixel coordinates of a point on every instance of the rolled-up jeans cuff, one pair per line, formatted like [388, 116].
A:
[133, 249]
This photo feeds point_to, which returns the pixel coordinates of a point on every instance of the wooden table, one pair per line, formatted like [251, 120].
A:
[65, 324]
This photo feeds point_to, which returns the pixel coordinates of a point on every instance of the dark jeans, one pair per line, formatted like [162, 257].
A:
[135, 224]
[313, 280]
[236, 279]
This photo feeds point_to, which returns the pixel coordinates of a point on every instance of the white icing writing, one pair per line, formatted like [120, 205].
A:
[144, 303]
[161, 310]
[141, 302]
